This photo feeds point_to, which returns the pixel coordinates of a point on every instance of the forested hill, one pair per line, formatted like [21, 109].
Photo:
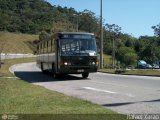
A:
[29, 16]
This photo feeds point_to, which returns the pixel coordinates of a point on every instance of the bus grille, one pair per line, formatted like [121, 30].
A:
[80, 62]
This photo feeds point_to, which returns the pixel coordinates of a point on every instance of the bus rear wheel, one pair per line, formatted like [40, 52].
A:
[85, 75]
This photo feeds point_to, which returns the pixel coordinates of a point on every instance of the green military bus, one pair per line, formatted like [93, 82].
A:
[68, 53]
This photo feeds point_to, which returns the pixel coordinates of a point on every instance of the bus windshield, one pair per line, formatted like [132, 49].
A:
[78, 47]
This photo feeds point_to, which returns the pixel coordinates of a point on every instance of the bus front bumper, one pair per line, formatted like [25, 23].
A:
[77, 69]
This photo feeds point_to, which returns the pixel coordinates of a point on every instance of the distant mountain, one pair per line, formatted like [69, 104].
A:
[28, 16]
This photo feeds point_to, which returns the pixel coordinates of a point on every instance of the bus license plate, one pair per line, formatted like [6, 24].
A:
[80, 70]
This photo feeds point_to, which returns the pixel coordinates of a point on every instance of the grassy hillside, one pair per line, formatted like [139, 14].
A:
[16, 43]
[107, 59]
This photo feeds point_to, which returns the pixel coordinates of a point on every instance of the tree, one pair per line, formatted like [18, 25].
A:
[156, 29]
[89, 22]
[147, 48]
[63, 25]
[127, 56]
[114, 31]
[26, 16]
[44, 36]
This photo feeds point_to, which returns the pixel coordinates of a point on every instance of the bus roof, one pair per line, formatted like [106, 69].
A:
[59, 34]
[77, 33]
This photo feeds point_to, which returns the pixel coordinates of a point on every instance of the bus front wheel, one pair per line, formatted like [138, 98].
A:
[85, 75]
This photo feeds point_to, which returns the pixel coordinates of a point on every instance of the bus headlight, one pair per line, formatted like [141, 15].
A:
[92, 63]
[65, 63]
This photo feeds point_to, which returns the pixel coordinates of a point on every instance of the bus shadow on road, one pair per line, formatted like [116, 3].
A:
[128, 103]
[34, 77]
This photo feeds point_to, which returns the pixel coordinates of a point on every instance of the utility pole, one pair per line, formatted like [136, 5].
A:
[77, 21]
[113, 52]
[0, 60]
[101, 37]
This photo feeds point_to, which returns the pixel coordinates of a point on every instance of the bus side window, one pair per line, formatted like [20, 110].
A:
[45, 47]
[38, 49]
[49, 46]
[52, 44]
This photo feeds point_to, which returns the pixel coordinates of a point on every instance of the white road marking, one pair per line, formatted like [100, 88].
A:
[95, 89]
[106, 91]
[130, 95]
[115, 84]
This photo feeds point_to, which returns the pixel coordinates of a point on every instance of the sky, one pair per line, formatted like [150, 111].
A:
[135, 17]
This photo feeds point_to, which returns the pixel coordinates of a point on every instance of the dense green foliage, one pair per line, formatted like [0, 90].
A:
[39, 16]
[26, 16]
[148, 48]
[156, 29]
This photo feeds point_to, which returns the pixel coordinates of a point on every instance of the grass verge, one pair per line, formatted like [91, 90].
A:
[20, 97]
[143, 72]
[34, 102]
[135, 72]
[107, 70]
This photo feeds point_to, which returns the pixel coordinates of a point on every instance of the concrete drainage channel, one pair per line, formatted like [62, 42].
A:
[16, 78]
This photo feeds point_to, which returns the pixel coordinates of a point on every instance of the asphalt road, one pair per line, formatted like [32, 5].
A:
[121, 93]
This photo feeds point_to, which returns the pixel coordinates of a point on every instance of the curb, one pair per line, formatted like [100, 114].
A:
[10, 78]
[130, 74]
[10, 69]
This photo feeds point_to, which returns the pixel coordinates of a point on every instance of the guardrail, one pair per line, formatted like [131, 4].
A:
[15, 55]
